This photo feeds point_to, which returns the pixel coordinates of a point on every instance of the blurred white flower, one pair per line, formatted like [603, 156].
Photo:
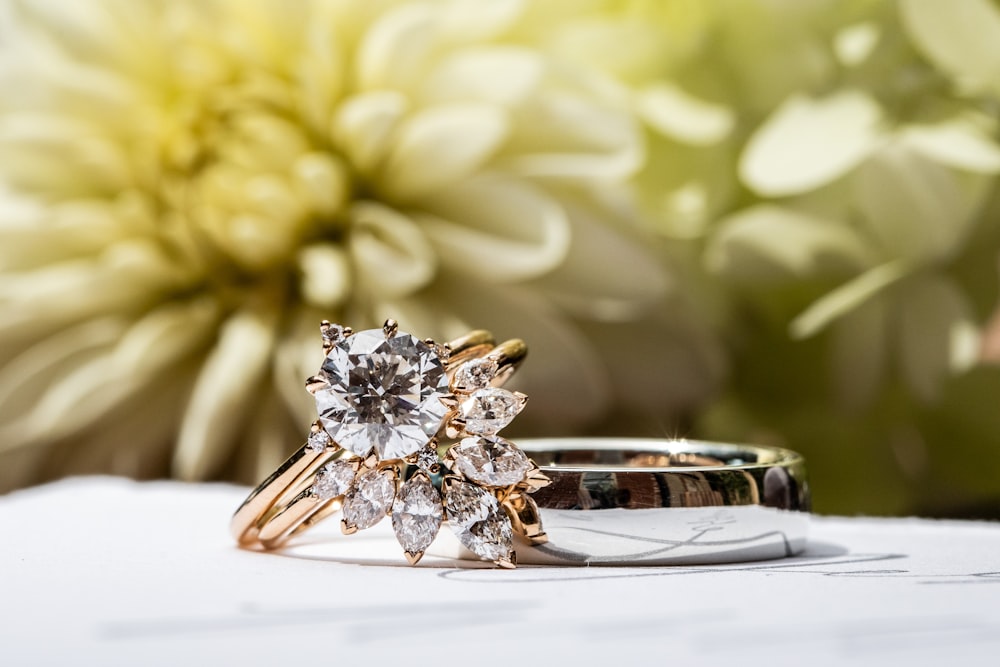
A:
[196, 184]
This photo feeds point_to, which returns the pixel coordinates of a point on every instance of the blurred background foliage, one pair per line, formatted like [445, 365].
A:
[751, 220]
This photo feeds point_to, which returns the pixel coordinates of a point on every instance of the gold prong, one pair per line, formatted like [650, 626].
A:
[536, 479]
[430, 342]
[449, 401]
[371, 461]
[473, 344]
[508, 563]
[444, 354]
[413, 558]
[525, 518]
[346, 528]
[314, 383]
[390, 327]
[348, 331]
[455, 428]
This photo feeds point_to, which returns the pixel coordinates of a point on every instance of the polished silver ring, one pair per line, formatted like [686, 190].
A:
[627, 501]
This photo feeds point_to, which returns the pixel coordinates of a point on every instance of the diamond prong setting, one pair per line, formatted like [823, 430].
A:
[387, 399]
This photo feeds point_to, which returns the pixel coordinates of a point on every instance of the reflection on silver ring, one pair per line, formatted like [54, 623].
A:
[657, 502]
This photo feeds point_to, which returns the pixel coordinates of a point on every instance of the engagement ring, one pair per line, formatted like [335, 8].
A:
[408, 429]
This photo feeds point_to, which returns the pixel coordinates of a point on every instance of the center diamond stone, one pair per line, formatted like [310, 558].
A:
[384, 393]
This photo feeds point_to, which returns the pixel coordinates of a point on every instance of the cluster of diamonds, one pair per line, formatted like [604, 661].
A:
[389, 400]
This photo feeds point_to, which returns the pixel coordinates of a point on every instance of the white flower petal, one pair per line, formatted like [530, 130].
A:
[807, 143]
[498, 229]
[61, 156]
[323, 182]
[956, 143]
[590, 280]
[767, 243]
[168, 333]
[23, 377]
[391, 254]
[568, 136]
[297, 356]
[96, 384]
[679, 115]
[364, 126]
[464, 21]
[325, 274]
[498, 75]
[855, 43]
[959, 37]
[395, 49]
[126, 275]
[224, 393]
[441, 146]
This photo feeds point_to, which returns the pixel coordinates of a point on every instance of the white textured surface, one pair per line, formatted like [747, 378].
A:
[104, 571]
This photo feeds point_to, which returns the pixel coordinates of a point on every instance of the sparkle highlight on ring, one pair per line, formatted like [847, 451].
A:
[388, 404]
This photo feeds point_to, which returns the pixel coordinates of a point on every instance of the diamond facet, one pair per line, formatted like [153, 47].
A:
[317, 441]
[490, 460]
[369, 498]
[427, 459]
[332, 333]
[333, 479]
[489, 410]
[475, 374]
[478, 520]
[417, 514]
[385, 392]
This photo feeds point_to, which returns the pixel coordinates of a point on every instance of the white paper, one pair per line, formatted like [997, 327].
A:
[104, 571]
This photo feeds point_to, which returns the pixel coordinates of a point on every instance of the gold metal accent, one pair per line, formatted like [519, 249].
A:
[284, 505]
[525, 519]
[315, 383]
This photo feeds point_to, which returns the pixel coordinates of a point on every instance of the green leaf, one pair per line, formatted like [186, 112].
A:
[809, 142]
[957, 143]
[676, 114]
[859, 347]
[934, 318]
[769, 243]
[846, 298]
[961, 37]
[914, 207]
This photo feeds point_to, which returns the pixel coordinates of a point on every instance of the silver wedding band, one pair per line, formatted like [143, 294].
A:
[625, 501]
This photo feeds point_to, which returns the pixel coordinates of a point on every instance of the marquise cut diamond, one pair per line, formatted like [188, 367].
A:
[478, 521]
[369, 498]
[333, 479]
[417, 514]
[490, 460]
[488, 410]
[475, 374]
[384, 393]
